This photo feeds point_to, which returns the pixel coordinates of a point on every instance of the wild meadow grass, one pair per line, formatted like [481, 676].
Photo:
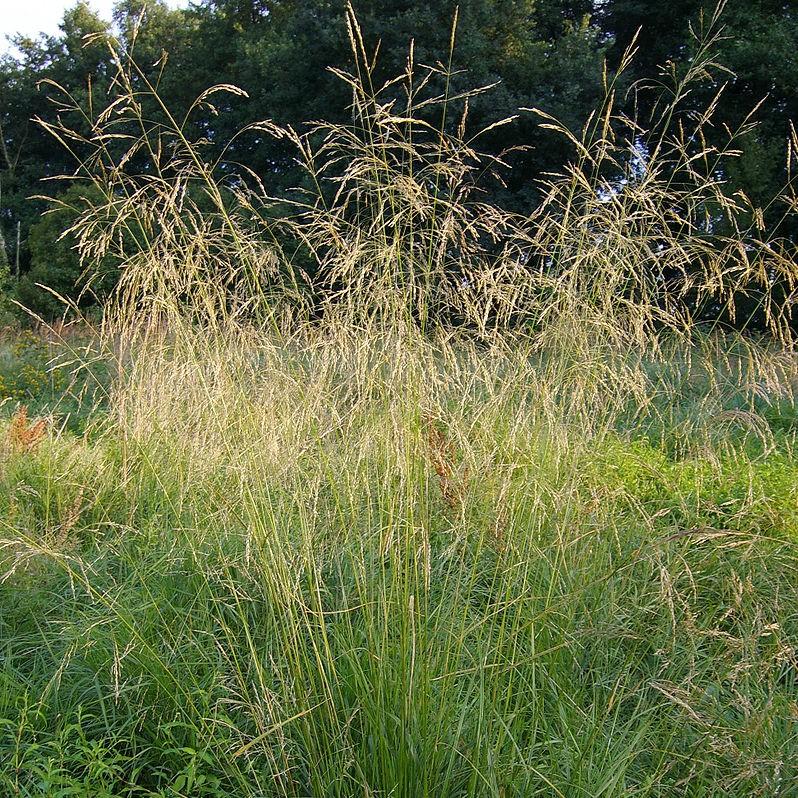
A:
[349, 566]
[395, 494]
[53, 373]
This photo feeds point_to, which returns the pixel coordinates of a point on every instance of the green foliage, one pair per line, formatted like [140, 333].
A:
[27, 154]
[25, 370]
[6, 314]
[385, 221]
[41, 373]
[758, 49]
[223, 594]
[318, 559]
[546, 54]
[56, 277]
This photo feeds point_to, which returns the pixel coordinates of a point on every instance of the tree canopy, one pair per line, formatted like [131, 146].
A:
[546, 54]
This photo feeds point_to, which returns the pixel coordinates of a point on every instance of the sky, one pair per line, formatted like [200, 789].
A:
[32, 17]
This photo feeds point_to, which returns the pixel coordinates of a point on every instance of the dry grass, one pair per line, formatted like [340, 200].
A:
[24, 435]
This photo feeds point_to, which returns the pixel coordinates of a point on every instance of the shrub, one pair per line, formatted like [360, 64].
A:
[56, 269]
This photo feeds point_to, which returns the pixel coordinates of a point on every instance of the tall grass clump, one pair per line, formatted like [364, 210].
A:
[400, 493]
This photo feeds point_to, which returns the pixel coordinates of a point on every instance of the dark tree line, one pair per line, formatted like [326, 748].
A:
[543, 53]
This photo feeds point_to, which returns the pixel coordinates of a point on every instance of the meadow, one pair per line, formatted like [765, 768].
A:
[352, 567]
[479, 506]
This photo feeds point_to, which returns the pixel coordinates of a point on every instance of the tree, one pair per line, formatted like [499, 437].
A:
[545, 54]
[28, 154]
[759, 48]
[78, 60]
[279, 51]
[3, 255]
[55, 265]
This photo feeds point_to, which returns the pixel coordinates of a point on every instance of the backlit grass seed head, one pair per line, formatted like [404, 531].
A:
[638, 233]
